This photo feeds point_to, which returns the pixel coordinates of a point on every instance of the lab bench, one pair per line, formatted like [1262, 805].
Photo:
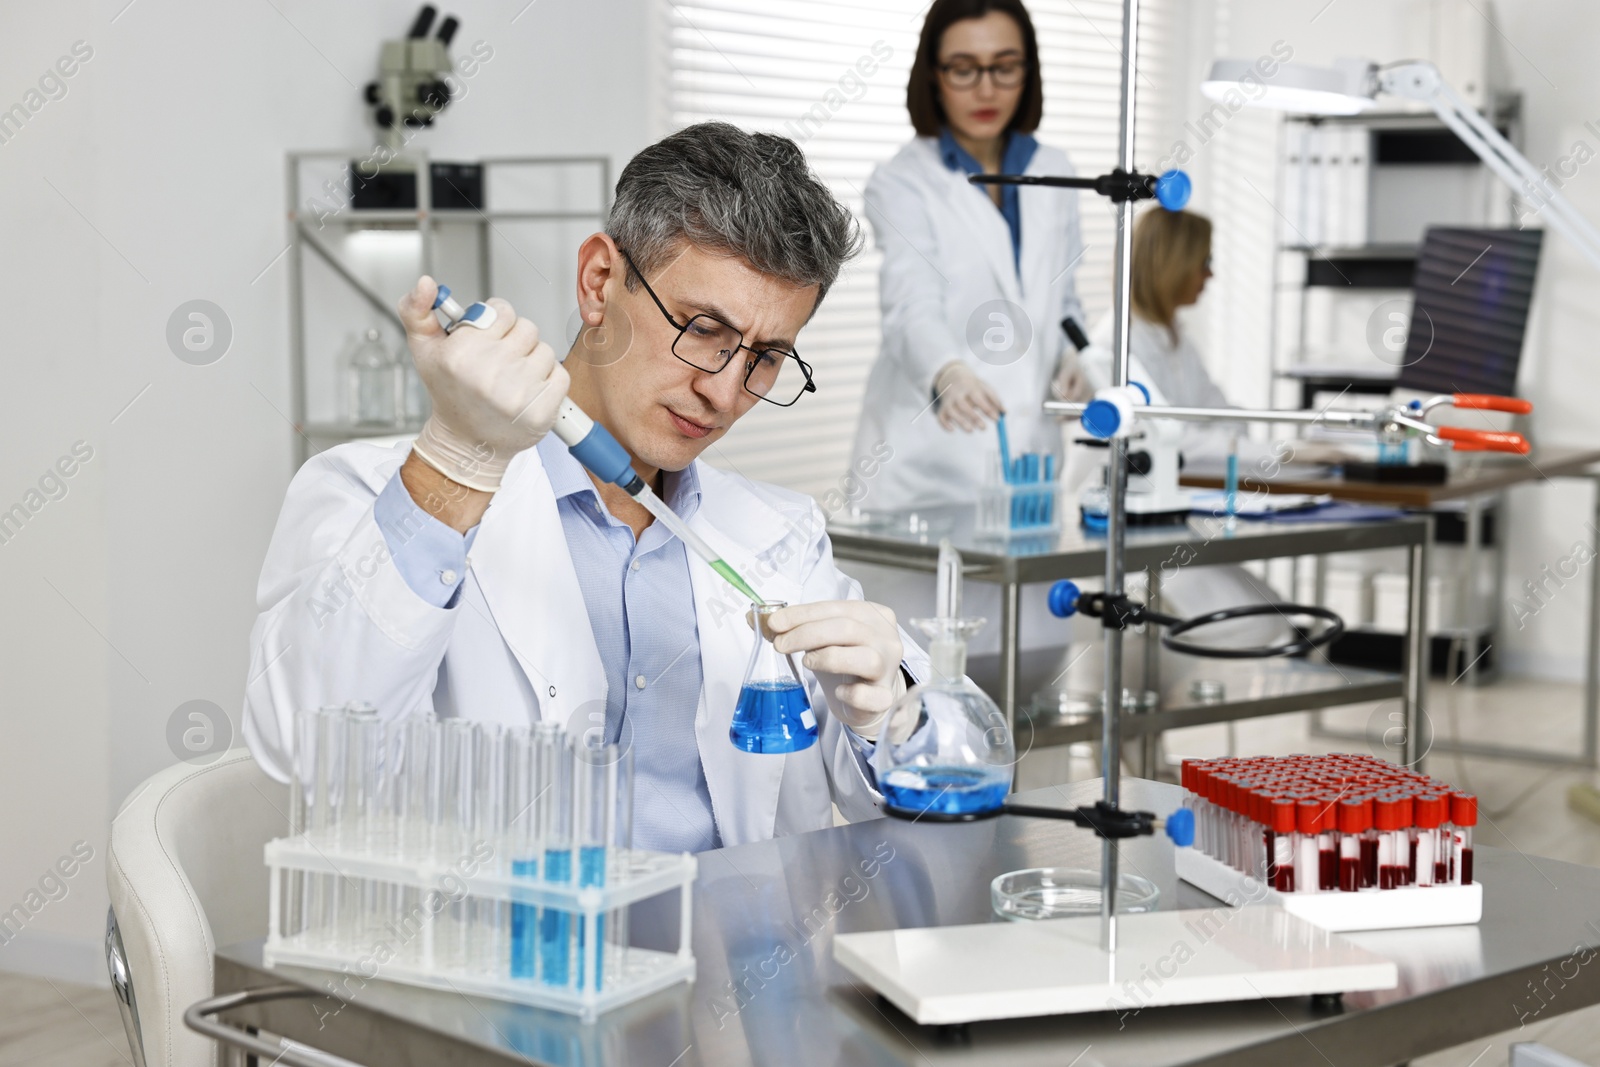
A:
[768, 991]
[1252, 688]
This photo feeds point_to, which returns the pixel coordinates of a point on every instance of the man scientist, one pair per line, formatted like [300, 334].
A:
[483, 573]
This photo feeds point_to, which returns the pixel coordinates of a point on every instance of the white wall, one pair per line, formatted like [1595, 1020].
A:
[158, 179]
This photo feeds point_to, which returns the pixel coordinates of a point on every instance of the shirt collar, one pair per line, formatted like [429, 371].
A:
[568, 478]
[1014, 159]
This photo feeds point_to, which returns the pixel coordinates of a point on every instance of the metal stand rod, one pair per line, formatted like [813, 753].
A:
[1414, 746]
[1116, 489]
[1591, 658]
[1010, 651]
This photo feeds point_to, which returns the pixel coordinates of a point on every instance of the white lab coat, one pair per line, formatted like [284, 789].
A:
[947, 268]
[338, 622]
[1173, 372]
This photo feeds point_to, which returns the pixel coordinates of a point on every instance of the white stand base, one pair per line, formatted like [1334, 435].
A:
[958, 974]
[1384, 909]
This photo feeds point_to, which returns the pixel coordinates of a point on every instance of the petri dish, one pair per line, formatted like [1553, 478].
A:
[1064, 893]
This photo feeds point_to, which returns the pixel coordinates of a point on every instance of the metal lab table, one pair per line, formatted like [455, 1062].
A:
[1075, 553]
[756, 1004]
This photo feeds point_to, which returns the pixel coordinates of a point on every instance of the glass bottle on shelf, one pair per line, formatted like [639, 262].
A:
[415, 405]
[773, 713]
[373, 376]
[956, 761]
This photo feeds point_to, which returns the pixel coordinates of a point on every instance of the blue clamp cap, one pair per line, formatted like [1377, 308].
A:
[444, 294]
[1416, 405]
[1173, 189]
[1101, 418]
[1180, 827]
[1063, 599]
[1143, 389]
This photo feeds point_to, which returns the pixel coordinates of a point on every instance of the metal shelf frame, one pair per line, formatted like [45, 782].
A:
[304, 237]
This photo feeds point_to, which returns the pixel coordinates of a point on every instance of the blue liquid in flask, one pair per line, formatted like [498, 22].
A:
[524, 925]
[773, 717]
[946, 790]
[555, 925]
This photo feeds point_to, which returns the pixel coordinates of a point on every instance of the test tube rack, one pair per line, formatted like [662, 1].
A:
[470, 857]
[420, 943]
[1020, 508]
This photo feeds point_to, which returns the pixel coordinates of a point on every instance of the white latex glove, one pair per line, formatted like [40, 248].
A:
[860, 644]
[495, 391]
[966, 401]
[1071, 383]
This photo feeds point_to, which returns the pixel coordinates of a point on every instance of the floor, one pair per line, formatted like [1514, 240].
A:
[53, 1024]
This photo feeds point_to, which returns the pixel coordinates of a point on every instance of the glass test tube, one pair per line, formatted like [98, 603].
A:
[596, 790]
[357, 896]
[301, 790]
[522, 845]
[416, 801]
[556, 811]
[323, 913]
[490, 917]
[453, 837]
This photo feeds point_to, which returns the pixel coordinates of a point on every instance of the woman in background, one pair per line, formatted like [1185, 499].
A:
[1171, 265]
[975, 279]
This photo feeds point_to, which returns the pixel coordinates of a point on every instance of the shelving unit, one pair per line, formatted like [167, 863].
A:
[1416, 173]
[518, 243]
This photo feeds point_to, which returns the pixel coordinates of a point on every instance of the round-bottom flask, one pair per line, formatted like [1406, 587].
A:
[956, 764]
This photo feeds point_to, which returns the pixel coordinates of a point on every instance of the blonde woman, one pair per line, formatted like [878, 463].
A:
[1171, 265]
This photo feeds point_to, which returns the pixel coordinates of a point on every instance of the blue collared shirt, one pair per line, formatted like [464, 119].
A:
[1014, 160]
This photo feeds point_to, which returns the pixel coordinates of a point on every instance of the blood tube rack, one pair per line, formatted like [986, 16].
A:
[1347, 842]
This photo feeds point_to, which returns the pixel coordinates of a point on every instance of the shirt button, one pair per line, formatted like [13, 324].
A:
[448, 577]
[639, 682]
[634, 565]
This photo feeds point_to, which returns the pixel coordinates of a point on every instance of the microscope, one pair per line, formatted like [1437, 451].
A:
[1154, 459]
[411, 88]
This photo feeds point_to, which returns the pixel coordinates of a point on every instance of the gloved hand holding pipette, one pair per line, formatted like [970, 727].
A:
[496, 388]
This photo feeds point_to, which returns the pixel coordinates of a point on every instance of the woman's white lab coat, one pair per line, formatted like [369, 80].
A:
[338, 622]
[949, 289]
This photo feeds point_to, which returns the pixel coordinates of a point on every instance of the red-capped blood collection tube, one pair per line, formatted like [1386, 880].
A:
[1355, 819]
[1308, 821]
[1464, 816]
[1283, 844]
[1427, 813]
[1328, 845]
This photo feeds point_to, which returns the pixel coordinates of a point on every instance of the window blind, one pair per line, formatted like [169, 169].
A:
[832, 76]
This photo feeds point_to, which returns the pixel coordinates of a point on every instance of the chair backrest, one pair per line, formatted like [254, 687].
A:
[185, 873]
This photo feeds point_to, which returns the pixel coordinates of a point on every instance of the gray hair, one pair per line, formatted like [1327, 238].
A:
[727, 191]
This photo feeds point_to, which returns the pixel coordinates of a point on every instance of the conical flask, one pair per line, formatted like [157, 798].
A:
[773, 714]
[958, 766]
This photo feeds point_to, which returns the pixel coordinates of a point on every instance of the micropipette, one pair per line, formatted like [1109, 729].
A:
[594, 447]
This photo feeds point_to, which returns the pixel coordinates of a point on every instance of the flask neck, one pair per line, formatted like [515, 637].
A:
[948, 656]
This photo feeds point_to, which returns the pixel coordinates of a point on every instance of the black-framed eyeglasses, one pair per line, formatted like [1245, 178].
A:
[708, 344]
[965, 74]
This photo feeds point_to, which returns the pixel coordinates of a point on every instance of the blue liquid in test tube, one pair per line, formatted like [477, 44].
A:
[555, 925]
[524, 924]
[592, 871]
[947, 790]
